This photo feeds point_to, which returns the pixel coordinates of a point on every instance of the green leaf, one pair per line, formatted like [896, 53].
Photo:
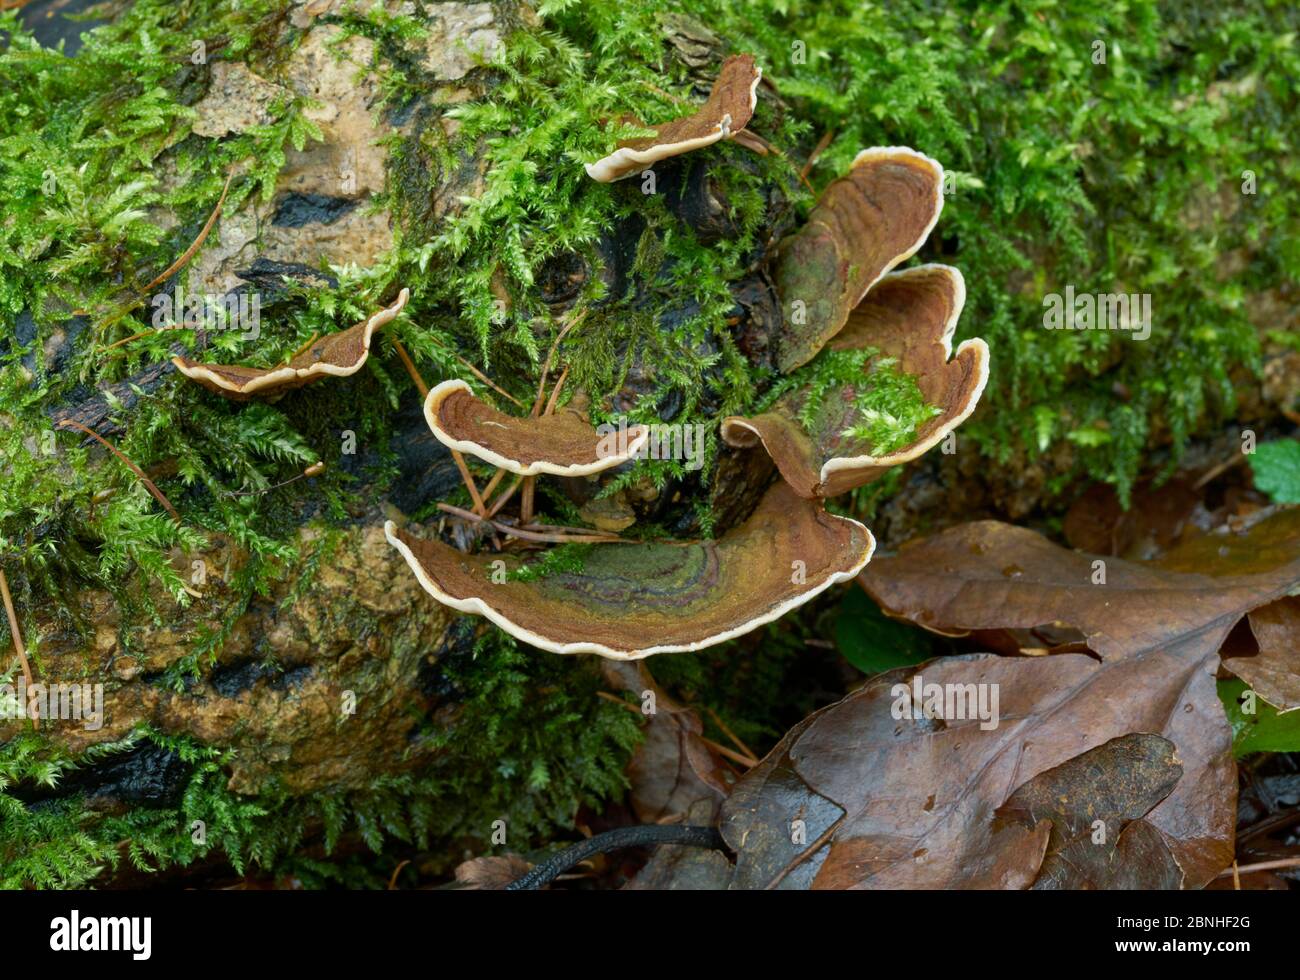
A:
[1277, 470]
[1263, 730]
[872, 642]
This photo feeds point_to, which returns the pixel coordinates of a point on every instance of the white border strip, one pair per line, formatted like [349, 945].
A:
[637, 437]
[624, 161]
[275, 377]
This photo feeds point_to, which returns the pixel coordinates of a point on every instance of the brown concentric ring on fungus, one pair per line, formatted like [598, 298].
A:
[334, 355]
[563, 443]
[865, 224]
[637, 599]
[727, 111]
[909, 316]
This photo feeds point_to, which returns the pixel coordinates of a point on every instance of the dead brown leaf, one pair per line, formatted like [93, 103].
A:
[1157, 628]
[1274, 672]
[1095, 804]
[863, 795]
[1155, 520]
[491, 872]
[869, 793]
[673, 768]
[989, 575]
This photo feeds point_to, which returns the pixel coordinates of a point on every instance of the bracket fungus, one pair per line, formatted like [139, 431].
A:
[864, 225]
[625, 599]
[725, 113]
[909, 317]
[560, 444]
[334, 355]
[631, 600]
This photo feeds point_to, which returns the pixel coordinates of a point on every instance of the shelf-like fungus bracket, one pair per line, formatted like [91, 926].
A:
[909, 316]
[864, 225]
[636, 599]
[727, 111]
[334, 355]
[563, 443]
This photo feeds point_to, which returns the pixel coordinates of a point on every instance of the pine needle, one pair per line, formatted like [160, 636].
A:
[16, 633]
[465, 475]
[148, 483]
[172, 269]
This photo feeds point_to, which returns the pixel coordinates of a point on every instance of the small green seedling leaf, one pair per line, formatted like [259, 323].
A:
[1263, 730]
[1277, 470]
[872, 642]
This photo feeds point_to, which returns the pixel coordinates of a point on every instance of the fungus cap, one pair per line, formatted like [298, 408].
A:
[563, 443]
[637, 599]
[337, 354]
[909, 316]
[865, 223]
[727, 111]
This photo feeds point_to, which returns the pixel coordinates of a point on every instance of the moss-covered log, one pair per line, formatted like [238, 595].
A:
[300, 685]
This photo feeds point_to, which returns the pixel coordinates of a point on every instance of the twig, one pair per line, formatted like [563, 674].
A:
[16, 633]
[392, 881]
[410, 368]
[468, 366]
[530, 483]
[315, 469]
[753, 142]
[1261, 866]
[505, 497]
[468, 477]
[142, 333]
[726, 753]
[492, 484]
[486, 380]
[189, 253]
[148, 483]
[817, 151]
[666, 95]
[456, 455]
[176, 266]
[802, 856]
[518, 532]
[683, 834]
[748, 761]
[526, 499]
[555, 392]
[569, 324]
[556, 528]
[1219, 470]
[310, 340]
[732, 735]
[1269, 825]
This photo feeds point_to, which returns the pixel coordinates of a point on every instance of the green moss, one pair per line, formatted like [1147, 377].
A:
[1071, 172]
[563, 559]
[888, 406]
[531, 743]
